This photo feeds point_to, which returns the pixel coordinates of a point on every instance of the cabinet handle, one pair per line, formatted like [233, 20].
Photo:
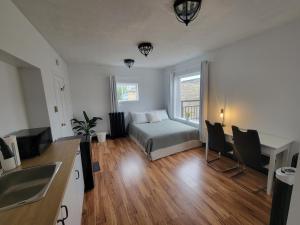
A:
[62, 221]
[67, 212]
[78, 174]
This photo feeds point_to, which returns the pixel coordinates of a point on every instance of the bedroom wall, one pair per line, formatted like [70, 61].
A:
[257, 81]
[90, 90]
[34, 97]
[13, 112]
[20, 39]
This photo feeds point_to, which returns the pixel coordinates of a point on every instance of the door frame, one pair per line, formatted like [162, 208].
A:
[61, 117]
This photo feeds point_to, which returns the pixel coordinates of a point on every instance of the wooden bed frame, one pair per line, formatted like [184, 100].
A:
[163, 152]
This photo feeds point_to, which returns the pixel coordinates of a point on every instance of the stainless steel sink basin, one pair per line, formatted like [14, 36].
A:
[27, 185]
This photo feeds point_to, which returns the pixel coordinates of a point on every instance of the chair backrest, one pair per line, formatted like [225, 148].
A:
[248, 146]
[216, 137]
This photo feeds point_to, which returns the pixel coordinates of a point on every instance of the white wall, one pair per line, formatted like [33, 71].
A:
[13, 113]
[90, 90]
[19, 38]
[258, 81]
[34, 97]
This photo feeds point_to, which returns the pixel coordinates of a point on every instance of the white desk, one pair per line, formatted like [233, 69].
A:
[272, 146]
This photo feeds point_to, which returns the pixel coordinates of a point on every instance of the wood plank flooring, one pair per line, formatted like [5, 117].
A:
[179, 189]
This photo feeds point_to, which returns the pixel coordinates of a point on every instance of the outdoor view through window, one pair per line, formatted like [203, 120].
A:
[188, 97]
[127, 92]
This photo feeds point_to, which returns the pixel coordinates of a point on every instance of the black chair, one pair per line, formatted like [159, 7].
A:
[248, 150]
[217, 142]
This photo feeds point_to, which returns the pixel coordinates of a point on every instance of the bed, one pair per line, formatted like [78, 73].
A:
[164, 138]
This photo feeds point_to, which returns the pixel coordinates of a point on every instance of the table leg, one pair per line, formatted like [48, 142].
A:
[271, 172]
[286, 154]
[206, 150]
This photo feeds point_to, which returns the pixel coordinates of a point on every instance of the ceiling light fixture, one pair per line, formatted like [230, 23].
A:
[186, 10]
[129, 62]
[145, 48]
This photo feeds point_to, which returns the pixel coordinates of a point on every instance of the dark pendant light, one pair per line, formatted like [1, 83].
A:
[186, 10]
[145, 48]
[129, 62]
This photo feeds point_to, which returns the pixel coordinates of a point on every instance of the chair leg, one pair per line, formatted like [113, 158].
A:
[242, 171]
[240, 164]
[215, 159]
[230, 169]
[259, 190]
[223, 171]
[253, 191]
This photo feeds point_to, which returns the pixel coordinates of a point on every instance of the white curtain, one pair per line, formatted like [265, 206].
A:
[203, 99]
[171, 95]
[113, 94]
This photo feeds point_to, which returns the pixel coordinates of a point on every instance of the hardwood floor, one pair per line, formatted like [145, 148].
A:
[179, 189]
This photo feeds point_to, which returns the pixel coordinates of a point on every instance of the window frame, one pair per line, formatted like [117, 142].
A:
[177, 94]
[129, 83]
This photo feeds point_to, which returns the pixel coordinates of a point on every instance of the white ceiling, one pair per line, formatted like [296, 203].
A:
[107, 31]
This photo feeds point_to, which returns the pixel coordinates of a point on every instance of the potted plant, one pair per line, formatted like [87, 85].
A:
[84, 127]
[187, 115]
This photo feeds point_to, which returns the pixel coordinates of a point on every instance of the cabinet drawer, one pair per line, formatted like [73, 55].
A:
[71, 208]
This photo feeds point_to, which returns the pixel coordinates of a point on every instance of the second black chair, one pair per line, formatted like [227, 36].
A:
[248, 149]
[217, 142]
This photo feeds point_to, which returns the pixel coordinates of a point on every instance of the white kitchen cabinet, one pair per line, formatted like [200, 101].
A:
[71, 207]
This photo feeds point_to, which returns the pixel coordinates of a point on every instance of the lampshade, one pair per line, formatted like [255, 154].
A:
[222, 113]
[187, 10]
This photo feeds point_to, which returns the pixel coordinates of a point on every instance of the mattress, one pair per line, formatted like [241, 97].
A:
[154, 136]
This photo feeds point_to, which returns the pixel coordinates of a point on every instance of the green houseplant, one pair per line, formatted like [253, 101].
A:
[84, 127]
[188, 115]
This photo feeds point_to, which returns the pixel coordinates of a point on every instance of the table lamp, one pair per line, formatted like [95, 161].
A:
[222, 117]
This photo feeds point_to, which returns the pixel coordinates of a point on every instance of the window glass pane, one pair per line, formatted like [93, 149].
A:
[187, 97]
[127, 92]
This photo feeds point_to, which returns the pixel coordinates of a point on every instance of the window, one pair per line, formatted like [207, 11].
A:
[127, 92]
[187, 97]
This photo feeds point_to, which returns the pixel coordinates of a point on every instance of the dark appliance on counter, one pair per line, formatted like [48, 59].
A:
[33, 142]
[86, 160]
[283, 188]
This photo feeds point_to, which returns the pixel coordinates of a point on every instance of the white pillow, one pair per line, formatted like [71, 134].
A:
[139, 118]
[162, 114]
[153, 117]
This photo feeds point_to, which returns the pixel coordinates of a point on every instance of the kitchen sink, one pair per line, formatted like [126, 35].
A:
[26, 185]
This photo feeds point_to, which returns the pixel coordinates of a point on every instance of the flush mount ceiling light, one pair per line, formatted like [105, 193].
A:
[129, 62]
[145, 48]
[186, 10]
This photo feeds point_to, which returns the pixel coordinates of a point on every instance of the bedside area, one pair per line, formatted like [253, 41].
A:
[63, 201]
